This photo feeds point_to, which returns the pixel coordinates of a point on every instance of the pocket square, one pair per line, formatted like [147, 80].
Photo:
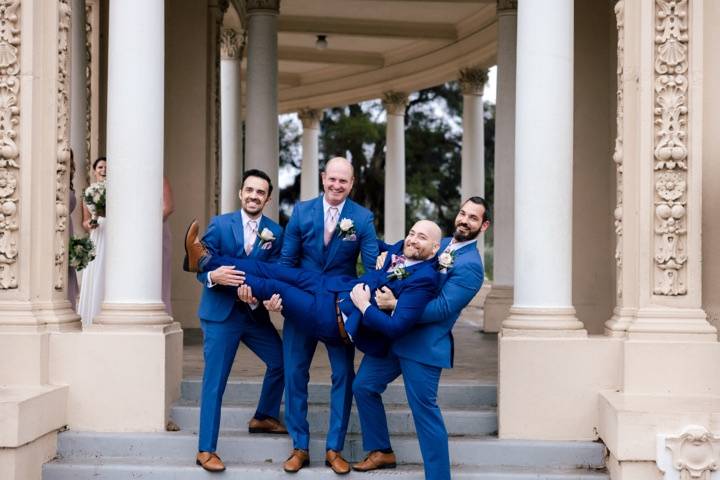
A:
[266, 246]
[350, 238]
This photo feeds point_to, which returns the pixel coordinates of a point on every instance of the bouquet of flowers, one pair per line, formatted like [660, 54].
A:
[94, 197]
[81, 252]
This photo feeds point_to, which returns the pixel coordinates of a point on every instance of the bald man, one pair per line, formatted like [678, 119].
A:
[324, 235]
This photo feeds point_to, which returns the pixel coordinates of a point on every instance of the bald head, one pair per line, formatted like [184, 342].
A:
[422, 241]
[337, 180]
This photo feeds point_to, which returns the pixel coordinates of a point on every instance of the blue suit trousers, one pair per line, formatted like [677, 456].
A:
[221, 341]
[421, 388]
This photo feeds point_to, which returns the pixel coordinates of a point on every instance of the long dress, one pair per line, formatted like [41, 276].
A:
[92, 288]
[72, 283]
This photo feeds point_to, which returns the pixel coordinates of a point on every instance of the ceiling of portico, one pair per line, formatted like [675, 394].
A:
[374, 46]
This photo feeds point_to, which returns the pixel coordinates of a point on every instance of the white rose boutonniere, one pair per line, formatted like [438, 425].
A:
[346, 229]
[446, 260]
[399, 273]
[266, 238]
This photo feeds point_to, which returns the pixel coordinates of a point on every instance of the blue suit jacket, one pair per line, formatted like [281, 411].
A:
[225, 236]
[430, 341]
[304, 242]
[373, 331]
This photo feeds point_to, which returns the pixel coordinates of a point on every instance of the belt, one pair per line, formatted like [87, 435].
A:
[341, 325]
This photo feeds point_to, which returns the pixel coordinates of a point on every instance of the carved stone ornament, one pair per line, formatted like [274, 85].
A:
[88, 85]
[473, 80]
[395, 102]
[694, 454]
[9, 152]
[506, 5]
[62, 166]
[670, 149]
[618, 153]
[310, 117]
[231, 44]
[267, 5]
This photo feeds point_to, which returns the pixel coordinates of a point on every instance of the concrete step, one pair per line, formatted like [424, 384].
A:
[185, 469]
[451, 395]
[478, 421]
[241, 447]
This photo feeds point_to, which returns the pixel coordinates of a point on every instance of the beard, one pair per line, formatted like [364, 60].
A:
[464, 237]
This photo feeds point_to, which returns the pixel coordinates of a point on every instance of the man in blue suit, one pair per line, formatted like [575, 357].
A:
[225, 322]
[422, 353]
[316, 240]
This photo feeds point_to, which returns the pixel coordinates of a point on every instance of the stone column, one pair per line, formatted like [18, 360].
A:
[78, 105]
[215, 11]
[231, 137]
[261, 123]
[543, 180]
[135, 164]
[310, 174]
[395, 103]
[498, 302]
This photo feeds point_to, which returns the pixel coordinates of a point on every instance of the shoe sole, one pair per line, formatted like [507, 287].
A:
[327, 464]
[262, 430]
[306, 463]
[382, 467]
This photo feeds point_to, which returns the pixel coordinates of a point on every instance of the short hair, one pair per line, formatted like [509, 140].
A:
[481, 201]
[254, 172]
[98, 160]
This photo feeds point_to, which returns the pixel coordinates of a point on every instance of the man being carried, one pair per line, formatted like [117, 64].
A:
[340, 309]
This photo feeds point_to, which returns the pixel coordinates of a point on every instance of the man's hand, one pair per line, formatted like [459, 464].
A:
[274, 304]
[380, 260]
[245, 295]
[227, 275]
[360, 296]
[385, 299]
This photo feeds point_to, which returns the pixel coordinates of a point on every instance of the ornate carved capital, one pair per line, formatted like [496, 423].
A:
[473, 80]
[253, 6]
[506, 6]
[310, 117]
[9, 152]
[395, 102]
[695, 453]
[232, 44]
[671, 150]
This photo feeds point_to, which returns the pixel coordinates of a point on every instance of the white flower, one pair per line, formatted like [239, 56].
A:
[267, 235]
[445, 260]
[346, 224]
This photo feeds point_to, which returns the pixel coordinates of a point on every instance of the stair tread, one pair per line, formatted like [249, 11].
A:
[390, 407]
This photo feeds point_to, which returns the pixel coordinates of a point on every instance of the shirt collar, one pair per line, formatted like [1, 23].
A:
[326, 206]
[453, 246]
[246, 219]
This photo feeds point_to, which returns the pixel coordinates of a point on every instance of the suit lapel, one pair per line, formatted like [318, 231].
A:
[319, 226]
[335, 240]
[238, 233]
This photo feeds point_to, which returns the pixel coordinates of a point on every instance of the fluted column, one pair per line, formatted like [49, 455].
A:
[261, 123]
[135, 164]
[500, 298]
[544, 168]
[472, 180]
[231, 137]
[395, 103]
[310, 174]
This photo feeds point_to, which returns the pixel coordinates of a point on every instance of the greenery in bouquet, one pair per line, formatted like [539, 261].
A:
[94, 198]
[81, 252]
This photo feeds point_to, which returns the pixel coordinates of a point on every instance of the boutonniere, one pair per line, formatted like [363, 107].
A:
[446, 260]
[399, 273]
[266, 238]
[346, 229]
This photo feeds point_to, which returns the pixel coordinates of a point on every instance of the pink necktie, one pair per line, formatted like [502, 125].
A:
[396, 261]
[330, 223]
[250, 236]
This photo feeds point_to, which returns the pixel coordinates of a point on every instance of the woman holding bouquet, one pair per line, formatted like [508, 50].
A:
[92, 288]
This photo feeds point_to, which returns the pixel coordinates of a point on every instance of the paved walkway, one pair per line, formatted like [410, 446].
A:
[475, 358]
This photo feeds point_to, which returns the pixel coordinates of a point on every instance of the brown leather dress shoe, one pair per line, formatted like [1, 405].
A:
[298, 459]
[376, 460]
[335, 461]
[194, 249]
[269, 425]
[210, 462]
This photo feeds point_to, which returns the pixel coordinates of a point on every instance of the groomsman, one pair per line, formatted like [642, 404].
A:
[421, 354]
[315, 241]
[225, 322]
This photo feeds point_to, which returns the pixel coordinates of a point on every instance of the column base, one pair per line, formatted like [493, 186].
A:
[121, 377]
[672, 324]
[497, 307]
[25, 462]
[55, 315]
[621, 320]
[133, 314]
[543, 321]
